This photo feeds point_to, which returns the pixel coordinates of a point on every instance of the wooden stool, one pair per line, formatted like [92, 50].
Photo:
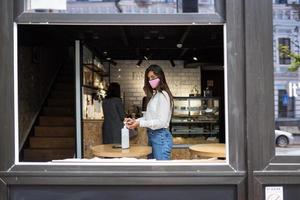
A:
[208, 150]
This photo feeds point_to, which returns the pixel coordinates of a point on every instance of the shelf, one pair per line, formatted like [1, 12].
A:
[191, 116]
[200, 97]
[95, 69]
[90, 87]
[195, 122]
[191, 133]
[181, 116]
[191, 121]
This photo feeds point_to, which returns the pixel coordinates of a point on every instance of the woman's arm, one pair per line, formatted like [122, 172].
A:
[163, 109]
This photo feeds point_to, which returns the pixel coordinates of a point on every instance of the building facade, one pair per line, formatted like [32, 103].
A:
[251, 170]
[285, 32]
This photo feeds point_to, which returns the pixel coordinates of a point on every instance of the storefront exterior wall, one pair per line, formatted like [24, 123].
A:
[264, 168]
[124, 192]
[250, 124]
[6, 86]
[259, 83]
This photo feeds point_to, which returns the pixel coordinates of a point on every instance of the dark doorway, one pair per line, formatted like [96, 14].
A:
[213, 78]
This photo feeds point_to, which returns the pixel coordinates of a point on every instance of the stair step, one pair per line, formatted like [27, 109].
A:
[52, 142]
[60, 102]
[64, 86]
[69, 79]
[58, 111]
[62, 81]
[56, 121]
[49, 131]
[43, 155]
[66, 73]
[67, 69]
[63, 94]
[65, 77]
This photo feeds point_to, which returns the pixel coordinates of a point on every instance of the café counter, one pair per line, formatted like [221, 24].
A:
[92, 135]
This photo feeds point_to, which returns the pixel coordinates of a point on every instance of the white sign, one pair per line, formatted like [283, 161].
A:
[293, 87]
[274, 193]
[48, 4]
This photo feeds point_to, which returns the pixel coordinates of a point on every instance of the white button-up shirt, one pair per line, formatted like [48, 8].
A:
[158, 113]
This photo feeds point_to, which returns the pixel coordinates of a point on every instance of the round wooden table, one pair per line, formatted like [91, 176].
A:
[107, 150]
[209, 150]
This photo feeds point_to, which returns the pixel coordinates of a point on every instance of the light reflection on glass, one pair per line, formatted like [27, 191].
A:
[286, 32]
[133, 6]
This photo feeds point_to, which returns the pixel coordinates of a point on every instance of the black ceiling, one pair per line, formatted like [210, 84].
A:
[134, 42]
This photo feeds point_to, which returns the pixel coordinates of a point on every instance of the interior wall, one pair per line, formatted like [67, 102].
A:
[36, 69]
[180, 80]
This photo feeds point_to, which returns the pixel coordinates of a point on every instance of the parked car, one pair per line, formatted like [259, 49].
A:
[284, 138]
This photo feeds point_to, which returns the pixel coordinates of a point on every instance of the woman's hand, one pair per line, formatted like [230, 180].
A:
[128, 121]
[131, 123]
[134, 124]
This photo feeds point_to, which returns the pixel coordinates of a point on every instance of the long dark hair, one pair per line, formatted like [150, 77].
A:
[114, 90]
[163, 86]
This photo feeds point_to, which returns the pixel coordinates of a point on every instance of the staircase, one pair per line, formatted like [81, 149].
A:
[54, 133]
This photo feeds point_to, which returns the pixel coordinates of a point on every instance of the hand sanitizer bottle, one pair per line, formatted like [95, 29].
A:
[125, 137]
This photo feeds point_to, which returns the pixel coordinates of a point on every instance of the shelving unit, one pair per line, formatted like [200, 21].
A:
[194, 120]
[94, 83]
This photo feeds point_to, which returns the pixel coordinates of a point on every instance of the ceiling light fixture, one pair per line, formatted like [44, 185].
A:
[179, 45]
[147, 36]
[147, 54]
[195, 57]
[161, 37]
[95, 37]
[138, 64]
[172, 63]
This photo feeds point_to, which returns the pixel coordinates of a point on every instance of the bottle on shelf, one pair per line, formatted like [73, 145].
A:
[207, 92]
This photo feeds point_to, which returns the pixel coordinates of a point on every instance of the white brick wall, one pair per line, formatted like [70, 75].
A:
[180, 80]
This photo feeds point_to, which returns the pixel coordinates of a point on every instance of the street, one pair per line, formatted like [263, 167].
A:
[291, 150]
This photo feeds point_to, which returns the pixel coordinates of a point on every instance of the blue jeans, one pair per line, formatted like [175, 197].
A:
[161, 141]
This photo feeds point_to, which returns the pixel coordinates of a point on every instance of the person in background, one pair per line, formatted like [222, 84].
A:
[158, 113]
[113, 115]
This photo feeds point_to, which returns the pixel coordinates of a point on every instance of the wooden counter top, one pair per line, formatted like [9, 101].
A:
[107, 150]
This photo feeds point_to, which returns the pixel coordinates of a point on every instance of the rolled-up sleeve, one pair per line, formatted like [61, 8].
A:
[162, 116]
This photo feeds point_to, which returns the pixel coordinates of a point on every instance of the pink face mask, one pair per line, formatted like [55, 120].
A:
[154, 83]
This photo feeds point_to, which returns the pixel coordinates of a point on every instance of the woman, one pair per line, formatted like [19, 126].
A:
[158, 113]
[113, 115]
